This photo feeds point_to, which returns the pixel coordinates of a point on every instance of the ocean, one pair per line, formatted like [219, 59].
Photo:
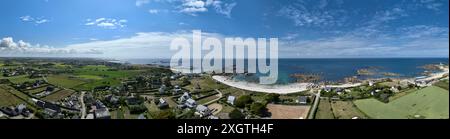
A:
[336, 69]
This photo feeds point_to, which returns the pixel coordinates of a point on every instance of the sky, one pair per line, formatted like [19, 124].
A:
[145, 28]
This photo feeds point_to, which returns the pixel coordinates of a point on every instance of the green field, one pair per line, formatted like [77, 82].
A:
[64, 81]
[206, 84]
[90, 77]
[346, 110]
[58, 95]
[7, 99]
[324, 110]
[37, 90]
[442, 84]
[207, 99]
[101, 76]
[20, 79]
[431, 103]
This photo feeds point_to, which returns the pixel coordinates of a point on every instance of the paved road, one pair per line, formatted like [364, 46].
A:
[83, 106]
[314, 107]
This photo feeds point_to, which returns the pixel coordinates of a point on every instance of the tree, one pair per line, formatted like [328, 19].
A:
[166, 81]
[258, 109]
[242, 101]
[236, 114]
[272, 98]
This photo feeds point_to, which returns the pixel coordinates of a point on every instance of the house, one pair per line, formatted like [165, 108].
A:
[142, 116]
[102, 113]
[213, 117]
[49, 89]
[327, 89]
[162, 89]
[90, 116]
[371, 83]
[191, 103]
[303, 100]
[99, 104]
[177, 90]
[231, 100]
[47, 105]
[50, 112]
[9, 111]
[203, 111]
[162, 103]
[394, 89]
[112, 99]
[184, 97]
[133, 101]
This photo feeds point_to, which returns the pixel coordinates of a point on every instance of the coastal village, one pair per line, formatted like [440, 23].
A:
[98, 89]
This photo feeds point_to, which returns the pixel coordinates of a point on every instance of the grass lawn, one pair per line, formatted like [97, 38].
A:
[54, 97]
[108, 78]
[15, 92]
[346, 110]
[402, 93]
[64, 81]
[120, 113]
[19, 95]
[442, 84]
[7, 99]
[37, 90]
[20, 79]
[324, 110]
[207, 84]
[171, 102]
[207, 99]
[90, 77]
[431, 103]
[233, 91]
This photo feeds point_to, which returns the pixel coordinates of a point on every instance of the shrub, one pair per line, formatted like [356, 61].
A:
[236, 114]
[243, 100]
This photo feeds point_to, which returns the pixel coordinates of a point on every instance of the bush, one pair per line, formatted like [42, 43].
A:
[236, 114]
[258, 109]
[272, 98]
[137, 109]
[243, 100]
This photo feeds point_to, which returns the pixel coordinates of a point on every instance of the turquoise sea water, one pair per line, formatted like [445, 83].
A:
[336, 69]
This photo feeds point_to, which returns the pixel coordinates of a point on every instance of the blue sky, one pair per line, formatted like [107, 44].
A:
[144, 28]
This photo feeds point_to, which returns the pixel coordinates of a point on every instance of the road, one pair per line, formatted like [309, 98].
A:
[314, 107]
[83, 106]
[217, 99]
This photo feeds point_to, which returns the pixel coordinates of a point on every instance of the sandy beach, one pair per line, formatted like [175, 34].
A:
[278, 89]
[445, 71]
[347, 85]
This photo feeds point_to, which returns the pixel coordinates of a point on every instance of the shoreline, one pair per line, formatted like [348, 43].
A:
[301, 87]
[277, 89]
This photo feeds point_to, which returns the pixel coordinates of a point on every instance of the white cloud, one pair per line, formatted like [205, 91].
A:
[432, 4]
[153, 11]
[308, 16]
[108, 23]
[21, 48]
[194, 7]
[142, 2]
[34, 20]
[141, 45]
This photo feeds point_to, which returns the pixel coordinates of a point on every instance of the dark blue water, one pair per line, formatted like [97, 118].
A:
[338, 69]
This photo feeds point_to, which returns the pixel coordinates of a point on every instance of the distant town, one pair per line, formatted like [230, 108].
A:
[51, 88]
